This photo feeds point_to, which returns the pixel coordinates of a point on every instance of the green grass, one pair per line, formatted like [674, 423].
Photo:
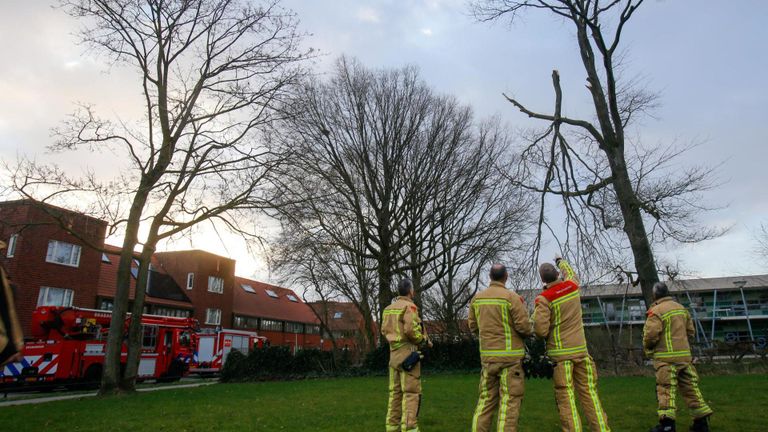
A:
[359, 404]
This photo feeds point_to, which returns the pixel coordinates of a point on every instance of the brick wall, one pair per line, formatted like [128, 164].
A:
[202, 264]
[28, 268]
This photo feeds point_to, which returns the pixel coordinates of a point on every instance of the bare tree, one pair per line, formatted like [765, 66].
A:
[606, 180]
[329, 273]
[388, 174]
[212, 74]
[762, 241]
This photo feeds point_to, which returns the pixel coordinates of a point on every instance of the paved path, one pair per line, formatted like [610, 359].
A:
[84, 395]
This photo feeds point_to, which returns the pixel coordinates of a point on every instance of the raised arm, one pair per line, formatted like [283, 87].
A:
[566, 271]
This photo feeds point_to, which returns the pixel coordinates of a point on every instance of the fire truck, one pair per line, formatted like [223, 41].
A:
[212, 348]
[68, 346]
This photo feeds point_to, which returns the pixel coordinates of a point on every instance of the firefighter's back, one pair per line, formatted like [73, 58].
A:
[673, 344]
[498, 313]
[566, 335]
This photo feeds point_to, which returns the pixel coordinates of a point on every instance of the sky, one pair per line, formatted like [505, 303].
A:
[708, 63]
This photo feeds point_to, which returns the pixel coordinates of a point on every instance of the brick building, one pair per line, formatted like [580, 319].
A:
[50, 266]
[163, 295]
[345, 323]
[275, 312]
[207, 279]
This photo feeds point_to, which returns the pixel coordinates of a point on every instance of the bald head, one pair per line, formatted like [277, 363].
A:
[548, 273]
[498, 273]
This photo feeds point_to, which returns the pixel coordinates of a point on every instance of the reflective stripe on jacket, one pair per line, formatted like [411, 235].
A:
[557, 317]
[500, 319]
[666, 331]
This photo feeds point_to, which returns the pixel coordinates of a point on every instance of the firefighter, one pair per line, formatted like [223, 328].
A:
[665, 340]
[11, 338]
[557, 318]
[405, 334]
[500, 319]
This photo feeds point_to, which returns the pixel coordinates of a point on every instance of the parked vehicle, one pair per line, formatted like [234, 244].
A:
[67, 347]
[214, 346]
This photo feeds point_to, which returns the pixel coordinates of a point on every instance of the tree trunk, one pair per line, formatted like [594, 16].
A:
[385, 291]
[634, 227]
[135, 330]
[112, 359]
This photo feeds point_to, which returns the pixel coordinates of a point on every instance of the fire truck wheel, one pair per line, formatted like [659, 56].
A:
[92, 377]
[175, 371]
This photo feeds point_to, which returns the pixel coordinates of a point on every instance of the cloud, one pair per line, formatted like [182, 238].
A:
[369, 15]
[426, 32]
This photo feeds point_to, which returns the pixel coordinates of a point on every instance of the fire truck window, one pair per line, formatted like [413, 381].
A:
[150, 337]
[168, 339]
[184, 339]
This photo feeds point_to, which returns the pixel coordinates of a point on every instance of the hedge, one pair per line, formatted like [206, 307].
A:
[279, 363]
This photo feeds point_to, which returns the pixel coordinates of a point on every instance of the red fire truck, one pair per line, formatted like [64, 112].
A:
[213, 347]
[68, 348]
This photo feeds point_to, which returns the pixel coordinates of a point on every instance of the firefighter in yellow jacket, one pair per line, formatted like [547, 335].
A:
[500, 319]
[557, 317]
[665, 340]
[403, 330]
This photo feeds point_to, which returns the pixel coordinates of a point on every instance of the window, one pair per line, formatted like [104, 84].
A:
[149, 341]
[106, 304]
[292, 298]
[291, 327]
[240, 343]
[12, 245]
[170, 312]
[190, 280]
[105, 259]
[63, 253]
[271, 293]
[245, 322]
[55, 297]
[248, 288]
[271, 325]
[213, 316]
[215, 284]
[313, 329]
[338, 315]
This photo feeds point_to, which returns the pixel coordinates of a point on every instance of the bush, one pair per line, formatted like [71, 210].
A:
[279, 363]
[276, 363]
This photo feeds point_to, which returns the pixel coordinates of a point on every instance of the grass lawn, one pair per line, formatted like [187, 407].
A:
[359, 404]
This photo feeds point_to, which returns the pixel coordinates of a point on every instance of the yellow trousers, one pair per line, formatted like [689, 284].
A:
[501, 392]
[404, 400]
[577, 379]
[673, 376]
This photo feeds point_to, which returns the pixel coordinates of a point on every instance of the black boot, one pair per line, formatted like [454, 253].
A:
[665, 425]
[700, 425]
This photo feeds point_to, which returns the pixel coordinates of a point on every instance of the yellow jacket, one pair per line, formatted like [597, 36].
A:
[500, 319]
[666, 332]
[402, 328]
[557, 317]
